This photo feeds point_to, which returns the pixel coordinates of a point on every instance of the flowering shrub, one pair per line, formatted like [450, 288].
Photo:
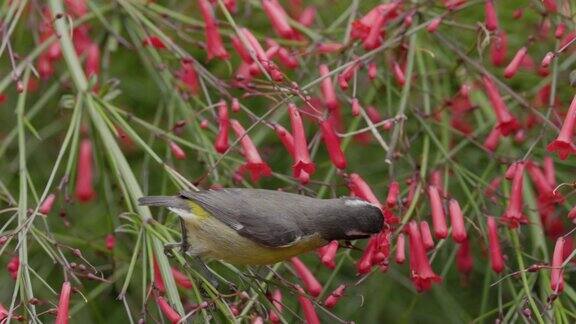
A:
[456, 118]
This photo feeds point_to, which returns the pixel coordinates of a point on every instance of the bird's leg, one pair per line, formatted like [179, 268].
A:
[183, 244]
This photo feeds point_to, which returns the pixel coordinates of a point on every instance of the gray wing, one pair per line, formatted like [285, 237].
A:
[270, 218]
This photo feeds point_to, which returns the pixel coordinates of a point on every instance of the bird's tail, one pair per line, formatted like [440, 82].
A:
[164, 201]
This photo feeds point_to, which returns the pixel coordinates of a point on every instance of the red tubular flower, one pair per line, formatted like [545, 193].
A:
[563, 144]
[499, 48]
[188, 76]
[398, 74]
[77, 8]
[550, 5]
[492, 188]
[381, 249]
[92, 64]
[546, 194]
[307, 306]
[400, 249]
[334, 296]
[513, 214]
[556, 273]
[327, 48]
[302, 160]
[491, 20]
[328, 254]
[360, 189]
[572, 213]
[110, 242]
[241, 49]
[332, 145]
[286, 58]
[438, 218]
[457, 221]
[310, 282]
[254, 162]
[330, 99]
[171, 314]
[514, 65]
[372, 71]
[84, 190]
[47, 204]
[496, 259]
[356, 108]
[421, 272]
[158, 281]
[235, 105]
[373, 39]
[347, 75]
[13, 266]
[279, 19]
[393, 194]
[221, 143]
[177, 151]
[547, 60]
[153, 41]
[364, 264]
[412, 186]
[434, 24]
[560, 30]
[286, 138]
[492, 140]
[549, 172]
[275, 311]
[464, 261]
[63, 304]
[427, 239]
[307, 16]
[181, 279]
[373, 114]
[214, 45]
[507, 124]
[511, 171]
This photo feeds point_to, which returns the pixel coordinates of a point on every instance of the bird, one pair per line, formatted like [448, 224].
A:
[244, 226]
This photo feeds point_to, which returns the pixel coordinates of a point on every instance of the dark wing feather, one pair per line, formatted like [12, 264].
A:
[271, 218]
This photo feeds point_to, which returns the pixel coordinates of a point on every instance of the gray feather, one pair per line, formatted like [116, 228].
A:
[277, 219]
[164, 201]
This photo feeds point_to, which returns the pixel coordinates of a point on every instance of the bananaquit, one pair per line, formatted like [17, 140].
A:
[258, 227]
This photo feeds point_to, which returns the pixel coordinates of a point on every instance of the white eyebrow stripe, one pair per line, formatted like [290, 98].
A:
[357, 203]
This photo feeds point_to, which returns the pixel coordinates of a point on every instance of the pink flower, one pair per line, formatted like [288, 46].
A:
[464, 261]
[427, 239]
[330, 99]
[171, 314]
[77, 8]
[393, 194]
[328, 254]
[360, 189]
[279, 19]
[84, 190]
[188, 76]
[493, 139]
[499, 48]
[547, 60]
[434, 24]
[507, 124]
[347, 75]
[513, 214]
[332, 144]
[286, 138]
[307, 306]
[13, 266]
[550, 5]
[457, 221]
[398, 73]
[400, 249]
[92, 63]
[556, 272]
[364, 264]
[214, 45]
[181, 279]
[47, 204]
[491, 20]
[310, 282]
[546, 194]
[302, 160]
[177, 151]
[254, 162]
[356, 108]
[110, 242]
[437, 210]
[307, 16]
[563, 144]
[327, 48]
[496, 259]
[221, 143]
[153, 41]
[492, 188]
[549, 172]
[334, 296]
[560, 30]
[421, 271]
[276, 310]
[514, 65]
[63, 304]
